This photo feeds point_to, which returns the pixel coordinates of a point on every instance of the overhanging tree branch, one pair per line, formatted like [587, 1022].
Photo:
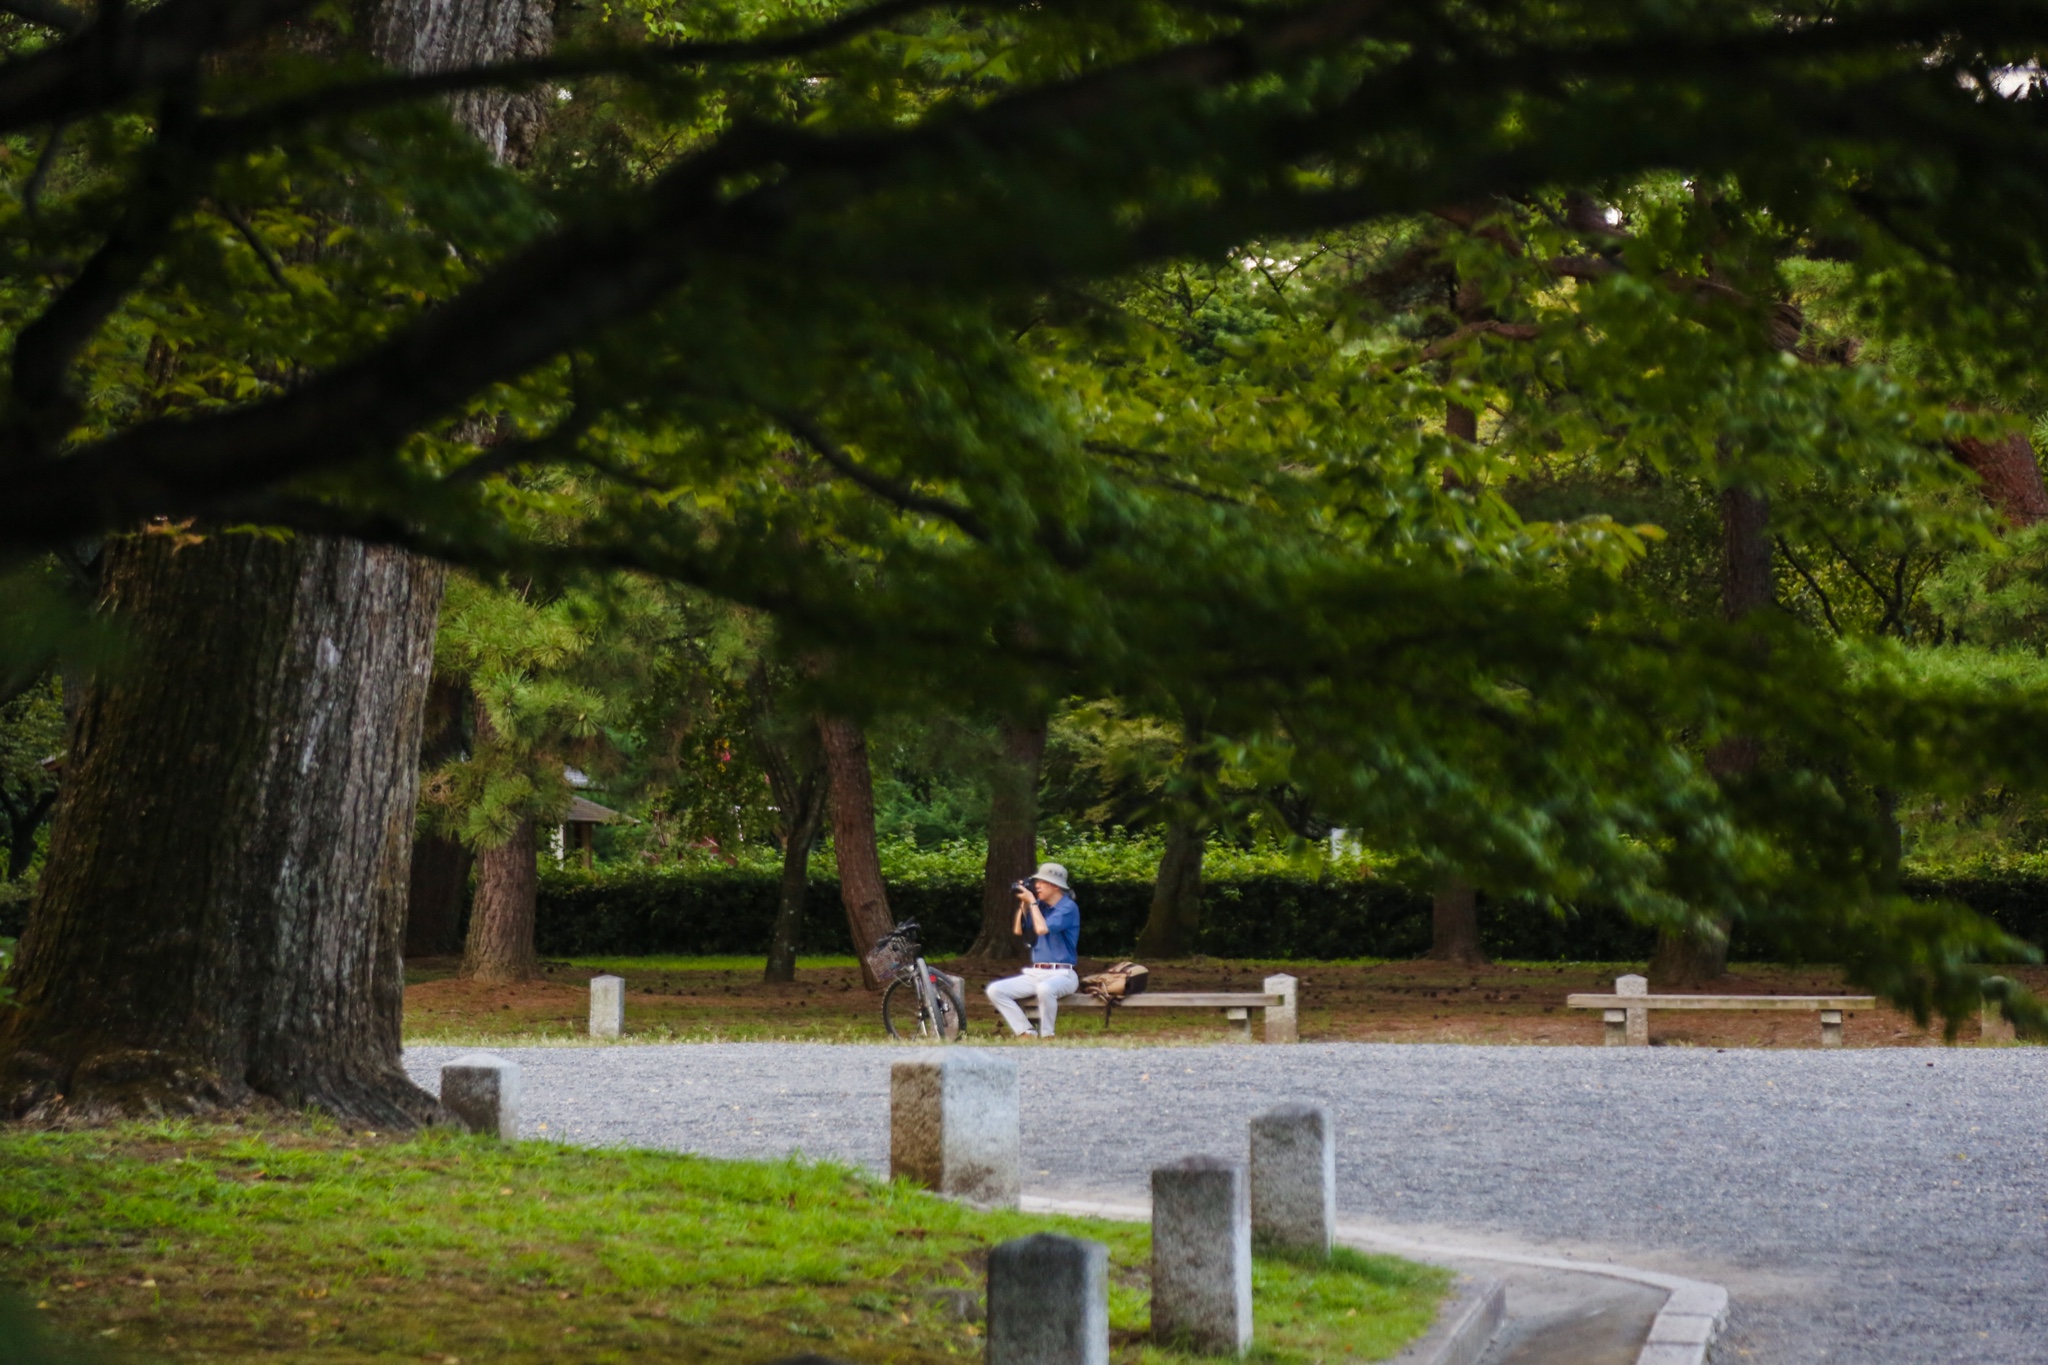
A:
[51, 14]
[567, 288]
[889, 490]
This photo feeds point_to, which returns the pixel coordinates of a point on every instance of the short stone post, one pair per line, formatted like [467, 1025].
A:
[1202, 1255]
[482, 1092]
[1636, 1018]
[607, 1006]
[1280, 1019]
[1048, 1302]
[1294, 1178]
[954, 1126]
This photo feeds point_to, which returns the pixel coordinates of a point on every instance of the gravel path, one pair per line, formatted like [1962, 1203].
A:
[1860, 1206]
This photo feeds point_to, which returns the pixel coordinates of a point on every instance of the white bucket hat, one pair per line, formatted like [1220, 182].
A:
[1054, 873]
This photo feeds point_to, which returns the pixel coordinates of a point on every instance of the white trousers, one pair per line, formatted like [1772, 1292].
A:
[1048, 984]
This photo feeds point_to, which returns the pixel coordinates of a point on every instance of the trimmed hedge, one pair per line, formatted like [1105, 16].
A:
[731, 910]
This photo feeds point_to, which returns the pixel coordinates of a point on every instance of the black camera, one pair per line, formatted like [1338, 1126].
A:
[1020, 886]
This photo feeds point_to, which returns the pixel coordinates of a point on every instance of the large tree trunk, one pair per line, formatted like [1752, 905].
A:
[2011, 476]
[1454, 923]
[499, 950]
[853, 838]
[222, 911]
[439, 889]
[224, 908]
[1012, 837]
[1695, 956]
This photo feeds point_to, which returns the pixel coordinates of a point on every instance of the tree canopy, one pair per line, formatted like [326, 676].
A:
[1251, 361]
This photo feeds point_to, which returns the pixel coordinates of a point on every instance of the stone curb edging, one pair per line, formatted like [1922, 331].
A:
[1466, 1327]
[1692, 1316]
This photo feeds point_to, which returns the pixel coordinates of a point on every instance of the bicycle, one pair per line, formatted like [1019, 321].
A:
[920, 1003]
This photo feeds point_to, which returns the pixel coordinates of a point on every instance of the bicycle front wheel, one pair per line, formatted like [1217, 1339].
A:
[906, 1020]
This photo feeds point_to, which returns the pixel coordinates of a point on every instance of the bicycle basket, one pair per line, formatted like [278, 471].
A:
[892, 957]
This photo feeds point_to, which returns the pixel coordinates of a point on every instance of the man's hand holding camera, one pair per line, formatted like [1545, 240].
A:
[1029, 897]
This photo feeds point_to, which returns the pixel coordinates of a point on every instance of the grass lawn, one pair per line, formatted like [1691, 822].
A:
[294, 1240]
[685, 999]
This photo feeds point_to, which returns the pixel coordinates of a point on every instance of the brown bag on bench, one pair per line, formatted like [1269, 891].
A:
[1122, 980]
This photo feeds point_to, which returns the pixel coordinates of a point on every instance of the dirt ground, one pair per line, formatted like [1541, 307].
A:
[1408, 1002]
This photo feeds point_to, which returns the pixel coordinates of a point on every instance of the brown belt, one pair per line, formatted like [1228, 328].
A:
[1051, 966]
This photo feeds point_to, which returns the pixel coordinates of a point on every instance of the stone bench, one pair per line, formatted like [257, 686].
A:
[1275, 1005]
[1627, 1011]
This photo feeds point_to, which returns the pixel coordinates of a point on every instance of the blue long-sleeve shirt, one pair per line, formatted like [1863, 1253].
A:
[1061, 941]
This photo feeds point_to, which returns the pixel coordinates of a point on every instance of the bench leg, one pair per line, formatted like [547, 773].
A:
[1638, 1027]
[1242, 1017]
[1617, 1027]
[1830, 1028]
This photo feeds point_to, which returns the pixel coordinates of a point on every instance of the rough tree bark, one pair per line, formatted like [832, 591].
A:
[1454, 923]
[796, 775]
[2011, 476]
[439, 888]
[223, 907]
[853, 837]
[499, 950]
[1693, 958]
[223, 913]
[1012, 836]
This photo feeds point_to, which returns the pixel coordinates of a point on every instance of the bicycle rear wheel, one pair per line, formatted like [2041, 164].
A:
[904, 1017]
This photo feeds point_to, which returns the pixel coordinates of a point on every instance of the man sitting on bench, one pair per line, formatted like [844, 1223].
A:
[1055, 936]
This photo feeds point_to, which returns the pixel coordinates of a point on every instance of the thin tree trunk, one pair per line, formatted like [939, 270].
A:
[439, 889]
[1012, 837]
[786, 941]
[1454, 923]
[853, 838]
[1695, 956]
[224, 902]
[499, 950]
[1173, 928]
[795, 763]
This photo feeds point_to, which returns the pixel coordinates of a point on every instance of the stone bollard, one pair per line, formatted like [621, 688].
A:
[1280, 1019]
[1294, 1178]
[1632, 1029]
[1202, 1255]
[1048, 1302]
[482, 1092]
[953, 1126]
[607, 1006]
